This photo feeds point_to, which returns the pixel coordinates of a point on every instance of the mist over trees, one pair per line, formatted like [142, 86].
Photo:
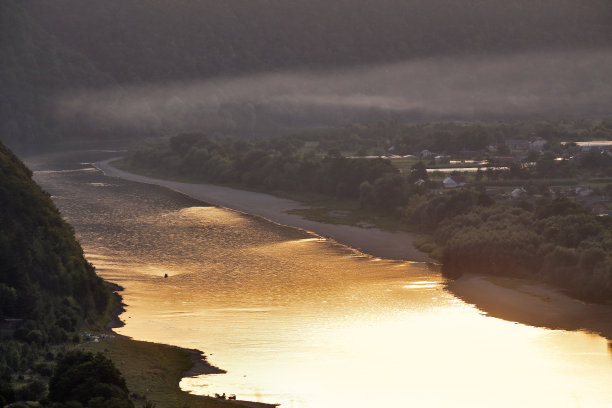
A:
[60, 59]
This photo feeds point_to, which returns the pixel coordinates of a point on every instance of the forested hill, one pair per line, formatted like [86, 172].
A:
[45, 281]
[152, 40]
[35, 66]
[48, 48]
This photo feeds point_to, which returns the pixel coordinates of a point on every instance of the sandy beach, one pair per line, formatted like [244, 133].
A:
[371, 241]
[531, 303]
[509, 299]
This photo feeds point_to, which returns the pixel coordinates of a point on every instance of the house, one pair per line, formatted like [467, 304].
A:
[537, 144]
[454, 182]
[518, 194]
[583, 191]
[426, 154]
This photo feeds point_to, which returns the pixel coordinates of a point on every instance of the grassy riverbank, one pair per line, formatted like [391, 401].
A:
[153, 371]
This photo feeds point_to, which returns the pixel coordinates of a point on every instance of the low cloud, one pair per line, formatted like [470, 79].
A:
[533, 85]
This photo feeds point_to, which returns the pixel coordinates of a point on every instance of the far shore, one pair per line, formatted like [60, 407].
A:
[371, 241]
[510, 299]
[532, 303]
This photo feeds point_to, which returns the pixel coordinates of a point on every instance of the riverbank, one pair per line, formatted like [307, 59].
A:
[509, 299]
[398, 245]
[153, 371]
[531, 303]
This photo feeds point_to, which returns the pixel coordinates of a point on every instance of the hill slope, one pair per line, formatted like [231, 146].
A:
[153, 40]
[44, 278]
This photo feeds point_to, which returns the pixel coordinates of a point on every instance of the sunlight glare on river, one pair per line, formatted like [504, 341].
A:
[305, 322]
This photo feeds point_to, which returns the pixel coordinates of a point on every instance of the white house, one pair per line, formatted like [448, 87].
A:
[584, 191]
[453, 182]
[426, 154]
[518, 193]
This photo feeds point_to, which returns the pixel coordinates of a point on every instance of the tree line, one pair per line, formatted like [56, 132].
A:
[271, 164]
[551, 240]
[556, 241]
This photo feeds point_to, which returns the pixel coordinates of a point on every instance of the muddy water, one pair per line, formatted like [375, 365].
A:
[298, 320]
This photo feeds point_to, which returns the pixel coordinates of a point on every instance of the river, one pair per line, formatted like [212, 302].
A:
[302, 321]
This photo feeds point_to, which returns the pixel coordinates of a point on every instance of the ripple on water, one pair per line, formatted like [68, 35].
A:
[303, 321]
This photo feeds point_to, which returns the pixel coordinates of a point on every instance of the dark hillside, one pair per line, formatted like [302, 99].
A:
[44, 279]
[153, 40]
[35, 66]
[48, 291]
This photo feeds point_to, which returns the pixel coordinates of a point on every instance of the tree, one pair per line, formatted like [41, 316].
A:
[419, 171]
[82, 377]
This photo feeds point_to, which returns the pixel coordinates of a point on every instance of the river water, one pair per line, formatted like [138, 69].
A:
[302, 321]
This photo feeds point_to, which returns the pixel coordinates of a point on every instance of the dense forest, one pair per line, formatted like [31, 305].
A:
[48, 294]
[556, 241]
[547, 238]
[49, 49]
[449, 137]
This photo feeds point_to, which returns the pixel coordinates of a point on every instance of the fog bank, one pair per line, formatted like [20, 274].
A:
[518, 86]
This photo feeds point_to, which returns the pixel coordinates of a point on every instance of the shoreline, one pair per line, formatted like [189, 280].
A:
[395, 245]
[511, 299]
[199, 362]
[532, 303]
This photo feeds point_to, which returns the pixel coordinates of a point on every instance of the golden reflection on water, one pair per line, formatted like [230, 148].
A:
[309, 324]
[301, 321]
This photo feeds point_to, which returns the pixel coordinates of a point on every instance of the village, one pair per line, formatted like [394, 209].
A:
[523, 170]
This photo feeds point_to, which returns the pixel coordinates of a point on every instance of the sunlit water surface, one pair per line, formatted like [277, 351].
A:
[300, 321]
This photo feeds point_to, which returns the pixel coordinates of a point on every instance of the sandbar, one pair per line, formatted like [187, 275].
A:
[371, 241]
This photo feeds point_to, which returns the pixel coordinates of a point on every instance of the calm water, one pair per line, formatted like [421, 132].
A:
[306, 323]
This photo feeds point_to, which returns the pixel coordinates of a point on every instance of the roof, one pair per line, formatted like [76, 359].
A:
[456, 180]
